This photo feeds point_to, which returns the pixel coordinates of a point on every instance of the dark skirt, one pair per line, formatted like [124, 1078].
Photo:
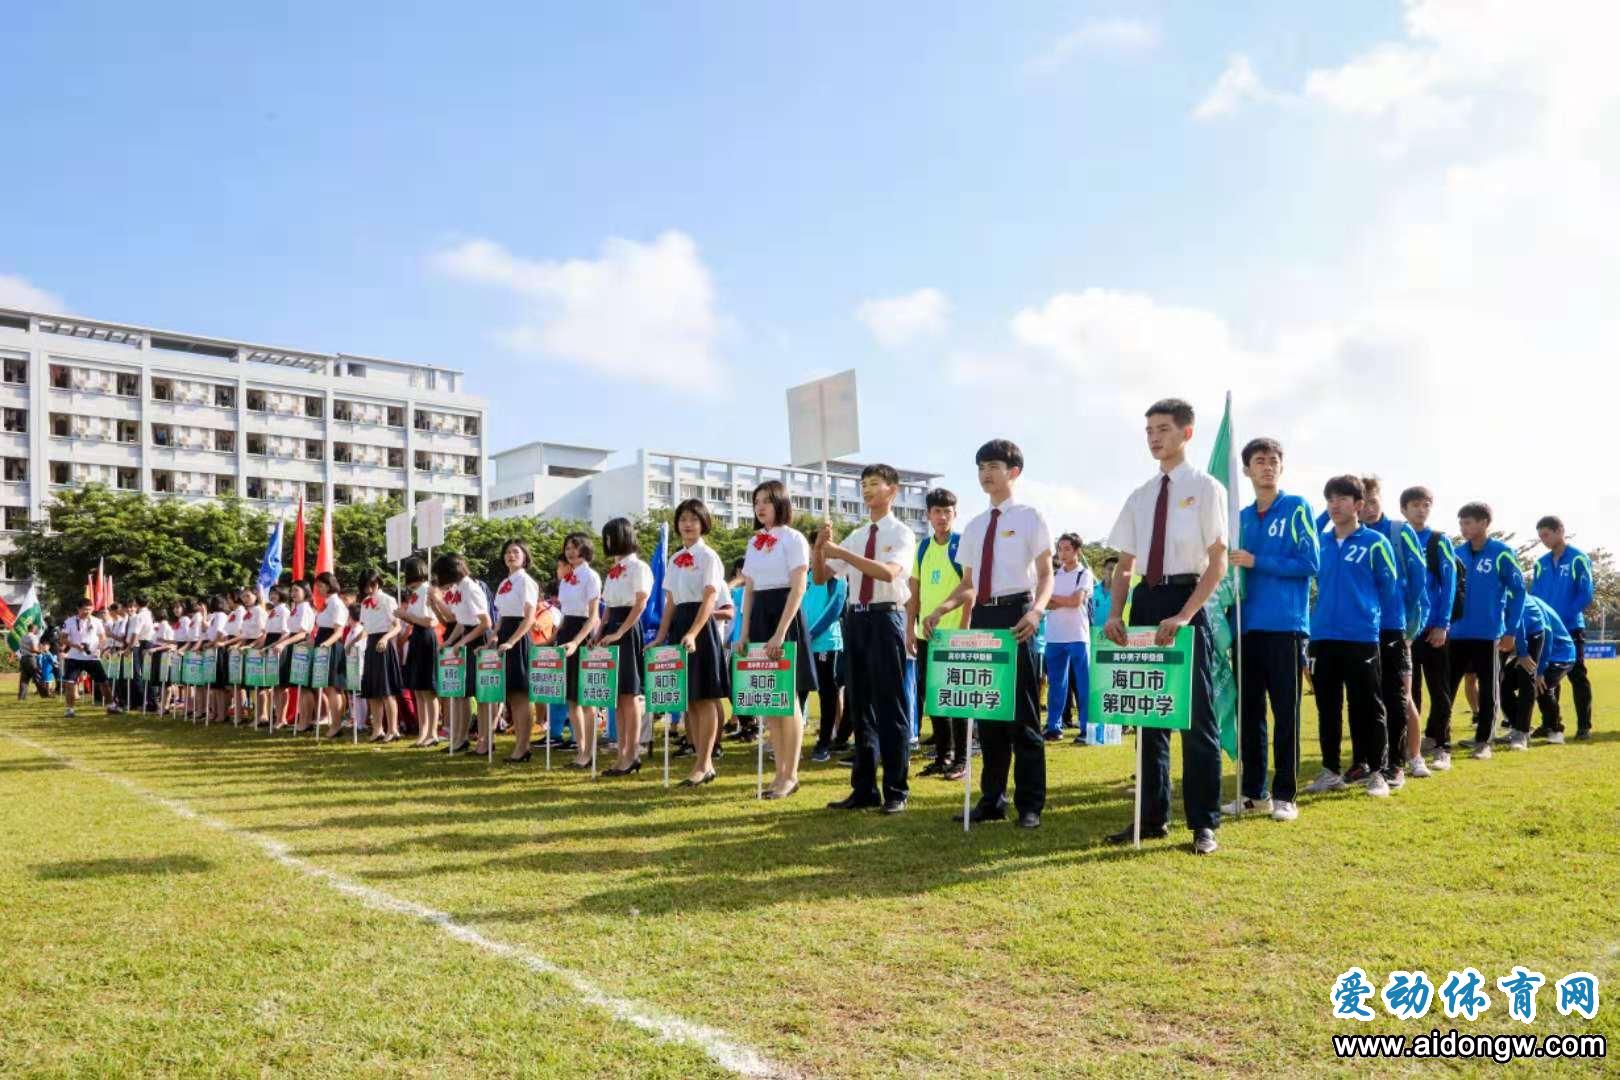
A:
[421, 657]
[270, 638]
[222, 673]
[706, 676]
[471, 649]
[284, 677]
[764, 614]
[570, 628]
[380, 676]
[629, 652]
[517, 657]
[337, 677]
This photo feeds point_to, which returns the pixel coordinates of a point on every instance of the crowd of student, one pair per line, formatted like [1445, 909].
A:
[1390, 598]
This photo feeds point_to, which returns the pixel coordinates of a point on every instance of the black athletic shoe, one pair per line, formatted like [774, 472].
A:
[1149, 832]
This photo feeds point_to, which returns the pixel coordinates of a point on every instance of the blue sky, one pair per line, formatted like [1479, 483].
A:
[636, 225]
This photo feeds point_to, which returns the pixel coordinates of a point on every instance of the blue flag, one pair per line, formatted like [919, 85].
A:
[270, 566]
[653, 613]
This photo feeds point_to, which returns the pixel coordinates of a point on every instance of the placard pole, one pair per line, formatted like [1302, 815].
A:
[967, 778]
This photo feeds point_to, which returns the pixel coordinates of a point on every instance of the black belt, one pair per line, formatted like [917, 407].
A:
[865, 609]
[1177, 580]
[1009, 600]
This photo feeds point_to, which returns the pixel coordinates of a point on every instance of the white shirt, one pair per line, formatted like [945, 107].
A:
[277, 622]
[774, 556]
[144, 630]
[233, 623]
[303, 618]
[1021, 539]
[216, 626]
[1064, 625]
[467, 601]
[627, 577]
[1195, 520]
[335, 613]
[84, 637]
[377, 612]
[416, 603]
[514, 593]
[692, 571]
[182, 630]
[896, 543]
[164, 632]
[578, 597]
[115, 630]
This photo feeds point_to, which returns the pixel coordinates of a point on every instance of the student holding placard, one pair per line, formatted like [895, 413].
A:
[217, 689]
[163, 647]
[693, 581]
[275, 628]
[581, 594]
[776, 565]
[421, 649]
[300, 622]
[330, 620]
[516, 600]
[229, 638]
[380, 678]
[628, 586]
[461, 603]
[250, 633]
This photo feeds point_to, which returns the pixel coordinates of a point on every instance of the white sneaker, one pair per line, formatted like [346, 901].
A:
[1417, 770]
[1246, 806]
[1284, 811]
[1518, 740]
[1482, 752]
[1555, 738]
[1377, 786]
[70, 712]
[1441, 761]
[1326, 780]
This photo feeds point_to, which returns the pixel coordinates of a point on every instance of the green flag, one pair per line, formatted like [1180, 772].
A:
[1223, 466]
[29, 618]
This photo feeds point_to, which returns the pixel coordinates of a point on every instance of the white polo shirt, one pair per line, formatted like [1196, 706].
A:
[773, 556]
[896, 543]
[303, 618]
[334, 613]
[416, 603]
[377, 613]
[215, 628]
[145, 630]
[165, 633]
[625, 578]
[467, 601]
[515, 593]
[690, 572]
[279, 616]
[1195, 519]
[233, 623]
[1022, 538]
[1066, 625]
[115, 631]
[579, 591]
[85, 637]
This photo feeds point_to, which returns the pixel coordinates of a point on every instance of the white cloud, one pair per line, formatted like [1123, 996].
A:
[642, 311]
[18, 292]
[900, 320]
[1108, 35]
[1237, 85]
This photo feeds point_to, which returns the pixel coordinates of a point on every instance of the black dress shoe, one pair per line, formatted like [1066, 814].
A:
[894, 806]
[1029, 819]
[520, 759]
[933, 768]
[979, 815]
[1149, 832]
[853, 803]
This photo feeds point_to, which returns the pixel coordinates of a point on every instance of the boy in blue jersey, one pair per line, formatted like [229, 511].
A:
[1357, 579]
[1431, 660]
[1493, 604]
[1279, 555]
[1397, 628]
[1545, 652]
[1564, 581]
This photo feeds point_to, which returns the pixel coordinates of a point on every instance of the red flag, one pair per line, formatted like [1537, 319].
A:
[110, 601]
[325, 562]
[7, 616]
[90, 588]
[298, 543]
[99, 601]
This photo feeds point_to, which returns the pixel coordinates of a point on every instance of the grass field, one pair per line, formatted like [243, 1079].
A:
[185, 901]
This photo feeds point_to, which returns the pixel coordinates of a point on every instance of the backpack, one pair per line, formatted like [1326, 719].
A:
[1438, 548]
[956, 542]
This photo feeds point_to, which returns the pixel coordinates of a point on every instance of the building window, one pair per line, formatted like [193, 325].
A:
[341, 494]
[162, 434]
[16, 371]
[469, 426]
[423, 461]
[423, 496]
[129, 386]
[342, 410]
[256, 401]
[341, 451]
[61, 377]
[255, 487]
[16, 469]
[469, 504]
[15, 420]
[224, 485]
[469, 465]
[61, 473]
[16, 518]
[163, 481]
[396, 457]
[225, 441]
[419, 420]
[313, 492]
[314, 407]
[162, 389]
[129, 479]
[225, 397]
[659, 488]
[396, 416]
[129, 431]
[255, 445]
[60, 425]
[314, 450]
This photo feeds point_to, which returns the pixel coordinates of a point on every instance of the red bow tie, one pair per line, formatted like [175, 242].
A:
[764, 541]
[453, 597]
[570, 578]
[371, 602]
[617, 572]
[684, 560]
[506, 587]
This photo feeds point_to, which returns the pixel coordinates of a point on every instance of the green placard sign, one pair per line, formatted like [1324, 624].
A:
[451, 679]
[1142, 684]
[354, 664]
[548, 675]
[489, 676]
[761, 686]
[320, 668]
[233, 667]
[972, 673]
[210, 666]
[165, 667]
[298, 675]
[151, 665]
[191, 671]
[666, 679]
[599, 676]
[254, 668]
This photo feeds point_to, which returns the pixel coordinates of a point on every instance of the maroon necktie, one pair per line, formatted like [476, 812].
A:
[1161, 510]
[871, 553]
[987, 559]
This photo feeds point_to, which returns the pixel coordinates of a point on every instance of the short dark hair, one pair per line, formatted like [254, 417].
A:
[449, 569]
[275, 595]
[84, 603]
[1476, 511]
[219, 602]
[940, 497]
[1176, 409]
[1347, 484]
[1262, 445]
[1073, 539]
[521, 546]
[781, 505]
[329, 579]
[696, 508]
[370, 578]
[415, 569]
[886, 473]
[1551, 521]
[584, 545]
[1003, 450]
[618, 538]
[1414, 493]
[1112, 560]
[1369, 484]
[736, 567]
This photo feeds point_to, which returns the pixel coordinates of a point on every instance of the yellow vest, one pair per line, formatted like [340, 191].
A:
[936, 579]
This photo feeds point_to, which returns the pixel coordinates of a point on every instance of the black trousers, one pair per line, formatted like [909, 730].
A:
[1580, 685]
[1341, 669]
[1394, 669]
[1271, 671]
[1478, 655]
[1431, 666]
[830, 692]
[1200, 744]
[875, 699]
[950, 734]
[28, 672]
[1519, 686]
[1018, 745]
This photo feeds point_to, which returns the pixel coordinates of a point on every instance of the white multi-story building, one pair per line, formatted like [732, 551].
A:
[558, 480]
[194, 417]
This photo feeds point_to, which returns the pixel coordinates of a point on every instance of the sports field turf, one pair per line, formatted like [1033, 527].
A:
[617, 929]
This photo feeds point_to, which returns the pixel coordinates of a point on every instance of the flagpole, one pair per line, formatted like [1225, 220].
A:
[1235, 528]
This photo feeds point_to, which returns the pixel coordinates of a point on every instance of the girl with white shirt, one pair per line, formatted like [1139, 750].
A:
[580, 592]
[776, 565]
[276, 619]
[164, 646]
[459, 601]
[216, 693]
[625, 593]
[421, 649]
[380, 680]
[300, 621]
[1068, 637]
[230, 636]
[693, 582]
[516, 600]
[330, 619]
[250, 630]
